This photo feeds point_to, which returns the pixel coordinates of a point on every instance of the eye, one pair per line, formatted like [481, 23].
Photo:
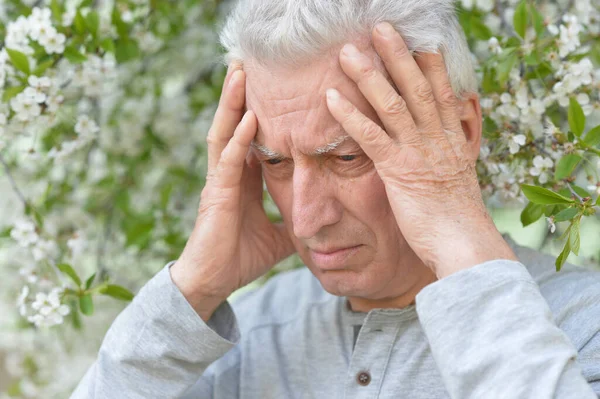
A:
[273, 161]
[347, 158]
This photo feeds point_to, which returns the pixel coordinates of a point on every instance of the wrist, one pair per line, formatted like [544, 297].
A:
[196, 291]
[468, 250]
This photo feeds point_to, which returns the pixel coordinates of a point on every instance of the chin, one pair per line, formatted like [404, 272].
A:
[345, 282]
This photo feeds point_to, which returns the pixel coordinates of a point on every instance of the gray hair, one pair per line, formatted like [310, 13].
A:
[291, 33]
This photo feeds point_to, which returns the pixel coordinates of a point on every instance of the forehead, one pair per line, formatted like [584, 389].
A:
[291, 107]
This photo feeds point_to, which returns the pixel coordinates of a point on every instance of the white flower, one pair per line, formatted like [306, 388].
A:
[53, 41]
[516, 142]
[54, 103]
[540, 164]
[24, 233]
[494, 46]
[86, 128]
[21, 301]
[50, 311]
[29, 273]
[25, 107]
[551, 224]
[485, 5]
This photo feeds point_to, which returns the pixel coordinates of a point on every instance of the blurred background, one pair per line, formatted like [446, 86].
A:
[100, 178]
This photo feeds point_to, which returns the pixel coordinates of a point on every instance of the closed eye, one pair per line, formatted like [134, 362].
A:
[273, 161]
[347, 157]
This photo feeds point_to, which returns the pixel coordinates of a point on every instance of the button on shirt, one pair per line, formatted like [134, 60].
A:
[501, 329]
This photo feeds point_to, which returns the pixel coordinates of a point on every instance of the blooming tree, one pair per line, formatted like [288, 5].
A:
[104, 110]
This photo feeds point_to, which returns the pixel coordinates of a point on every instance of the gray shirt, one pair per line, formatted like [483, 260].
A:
[501, 329]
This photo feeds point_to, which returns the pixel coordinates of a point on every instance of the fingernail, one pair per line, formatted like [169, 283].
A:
[333, 95]
[351, 50]
[385, 29]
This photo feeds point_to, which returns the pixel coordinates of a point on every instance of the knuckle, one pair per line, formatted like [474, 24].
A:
[393, 104]
[447, 97]
[370, 131]
[400, 50]
[424, 93]
[368, 73]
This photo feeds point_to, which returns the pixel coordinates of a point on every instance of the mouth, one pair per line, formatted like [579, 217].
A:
[333, 258]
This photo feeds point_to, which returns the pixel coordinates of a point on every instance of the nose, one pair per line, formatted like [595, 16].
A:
[314, 202]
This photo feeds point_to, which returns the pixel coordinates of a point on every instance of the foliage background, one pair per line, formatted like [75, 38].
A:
[103, 180]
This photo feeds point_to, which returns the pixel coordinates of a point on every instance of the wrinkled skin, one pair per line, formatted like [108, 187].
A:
[402, 186]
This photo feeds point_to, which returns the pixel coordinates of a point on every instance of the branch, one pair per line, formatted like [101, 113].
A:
[13, 183]
[574, 193]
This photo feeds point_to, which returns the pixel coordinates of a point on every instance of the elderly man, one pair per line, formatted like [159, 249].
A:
[366, 138]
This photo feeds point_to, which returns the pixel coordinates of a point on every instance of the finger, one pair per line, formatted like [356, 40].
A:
[390, 107]
[407, 76]
[233, 66]
[231, 164]
[227, 116]
[434, 69]
[374, 141]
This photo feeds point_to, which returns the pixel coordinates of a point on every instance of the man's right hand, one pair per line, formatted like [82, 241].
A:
[233, 241]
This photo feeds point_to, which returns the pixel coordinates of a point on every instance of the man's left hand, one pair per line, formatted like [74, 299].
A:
[421, 154]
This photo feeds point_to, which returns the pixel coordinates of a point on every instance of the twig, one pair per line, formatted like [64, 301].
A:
[13, 183]
[574, 193]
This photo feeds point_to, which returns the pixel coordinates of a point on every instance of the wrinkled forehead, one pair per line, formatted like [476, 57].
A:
[291, 104]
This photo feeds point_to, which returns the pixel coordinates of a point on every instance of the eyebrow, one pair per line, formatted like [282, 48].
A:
[318, 151]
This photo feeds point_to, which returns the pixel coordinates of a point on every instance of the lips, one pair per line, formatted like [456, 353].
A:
[333, 258]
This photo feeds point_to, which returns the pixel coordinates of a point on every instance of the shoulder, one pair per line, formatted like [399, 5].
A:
[572, 294]
[282, 299]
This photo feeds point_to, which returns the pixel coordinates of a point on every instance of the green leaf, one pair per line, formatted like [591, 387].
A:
[592, 138]
[566, 166]
[566, 214]
[576, 117]
[504, 67]
[560, 261]
[69, 271]
[598, 201]
[574, 237]
[108, 45]
[19, 60]
[75, 316]
[11, 92]
[86, 304]
[538, 20]
[520, 19]
[89, 281]
[126, 50]
[531, 213]
[542, 196]
[74, 56]
[92, 22]
[479, 30]
[550, 210]
[79, 23]
[42, 67]
[117, 292]
[56, 9]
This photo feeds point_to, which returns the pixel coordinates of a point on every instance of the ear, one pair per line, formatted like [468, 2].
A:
[471, 121]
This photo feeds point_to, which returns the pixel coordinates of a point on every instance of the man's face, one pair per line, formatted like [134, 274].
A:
[331, 199]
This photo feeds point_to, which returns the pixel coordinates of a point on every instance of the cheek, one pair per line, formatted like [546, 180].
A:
[366, 199]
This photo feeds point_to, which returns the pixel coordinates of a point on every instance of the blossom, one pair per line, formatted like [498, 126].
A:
[86, 128]
[551, 225]
[24, 233]
[53, 41]
[540, 164]
[516, 142]
[25, 106]
[50, 312]
[21, 304]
